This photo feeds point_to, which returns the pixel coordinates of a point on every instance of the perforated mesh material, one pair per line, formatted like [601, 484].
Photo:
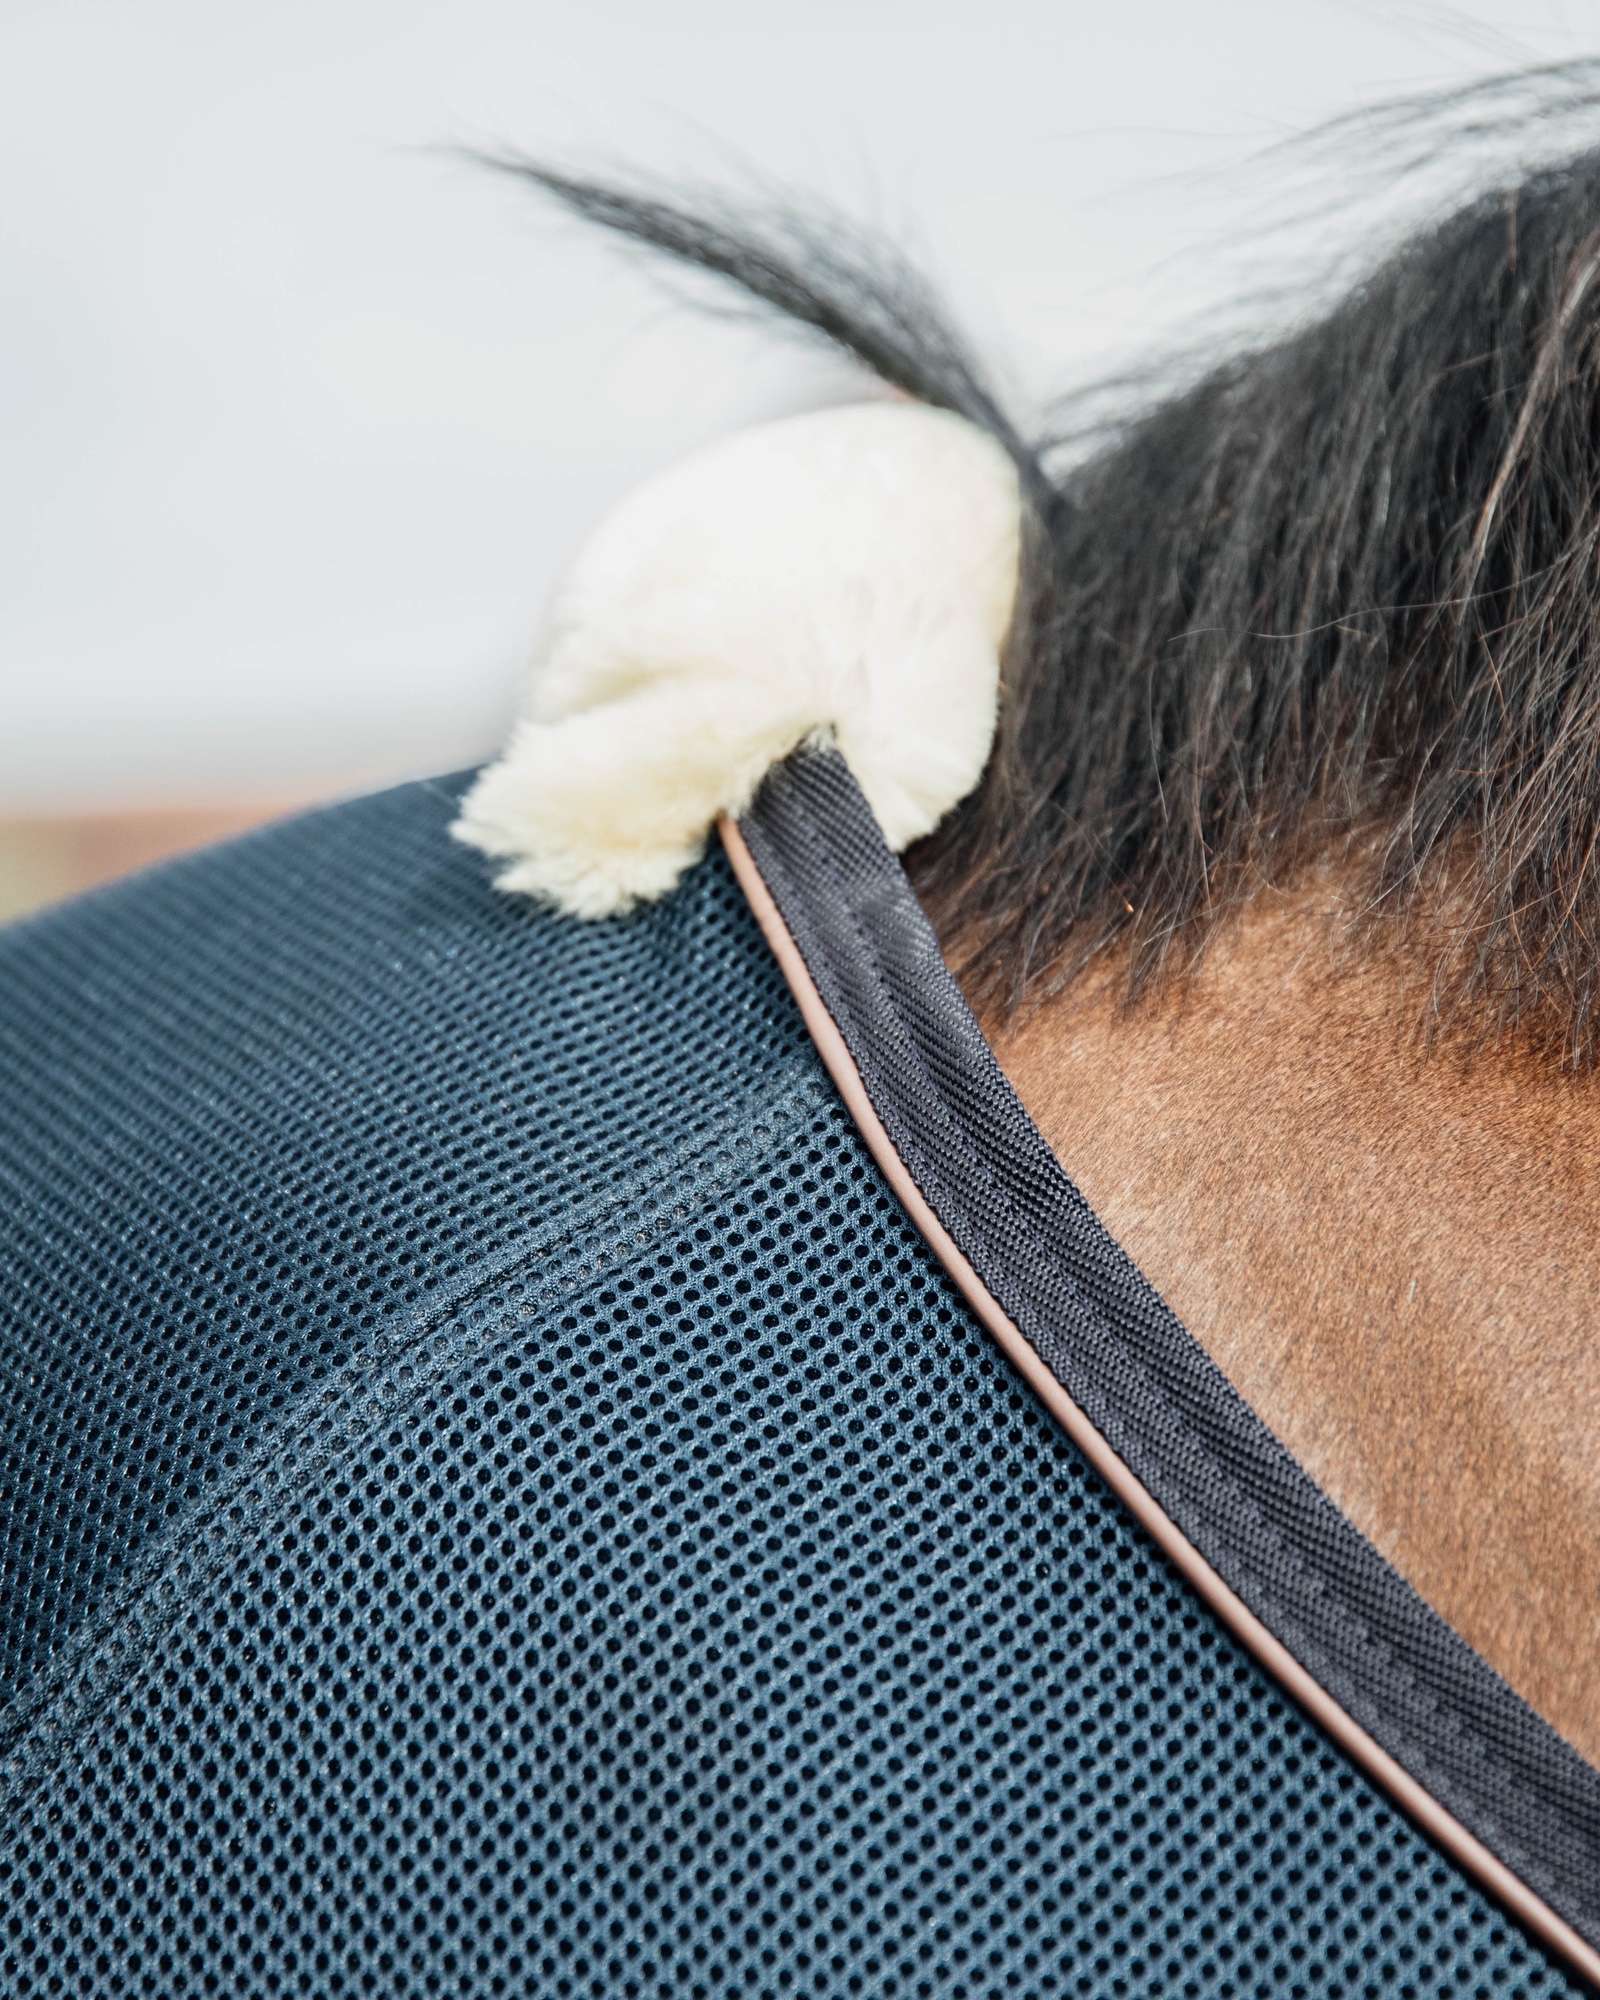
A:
[263, 1103]
[1150, 1389]
[692, 1602]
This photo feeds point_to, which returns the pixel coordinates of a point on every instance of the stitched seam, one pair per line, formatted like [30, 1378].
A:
[338, 1405]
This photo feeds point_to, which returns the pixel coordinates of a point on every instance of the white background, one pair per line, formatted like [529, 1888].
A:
[300, 416]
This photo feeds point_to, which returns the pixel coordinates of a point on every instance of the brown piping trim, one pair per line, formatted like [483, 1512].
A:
[1418, 1804]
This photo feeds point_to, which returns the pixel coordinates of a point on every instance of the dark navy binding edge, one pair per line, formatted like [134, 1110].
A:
[1218, 1473]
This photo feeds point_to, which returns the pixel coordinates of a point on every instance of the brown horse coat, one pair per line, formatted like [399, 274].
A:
[1392, 1252]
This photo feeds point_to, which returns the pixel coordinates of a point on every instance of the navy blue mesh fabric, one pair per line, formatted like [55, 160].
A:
[267, 1104]
[1150, 1389]
[498, 1500]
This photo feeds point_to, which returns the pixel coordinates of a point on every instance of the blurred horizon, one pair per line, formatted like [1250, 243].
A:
[46, 858]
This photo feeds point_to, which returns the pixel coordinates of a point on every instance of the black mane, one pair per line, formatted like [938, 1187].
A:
[1343, 589]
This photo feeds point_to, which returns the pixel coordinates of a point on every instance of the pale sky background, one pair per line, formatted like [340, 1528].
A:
[300, 418]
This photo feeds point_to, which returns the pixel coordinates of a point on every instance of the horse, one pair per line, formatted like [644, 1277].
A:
[1280, 897]
[985, 1391]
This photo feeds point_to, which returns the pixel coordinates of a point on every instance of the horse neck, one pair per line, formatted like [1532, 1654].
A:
[1392, 1253]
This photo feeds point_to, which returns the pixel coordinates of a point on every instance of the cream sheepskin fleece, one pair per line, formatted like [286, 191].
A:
[852, 570]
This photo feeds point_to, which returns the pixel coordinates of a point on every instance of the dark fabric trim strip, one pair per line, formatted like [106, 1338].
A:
[1380, 1652]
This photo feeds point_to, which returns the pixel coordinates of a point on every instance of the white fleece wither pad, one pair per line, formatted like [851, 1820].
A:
[852, 570]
